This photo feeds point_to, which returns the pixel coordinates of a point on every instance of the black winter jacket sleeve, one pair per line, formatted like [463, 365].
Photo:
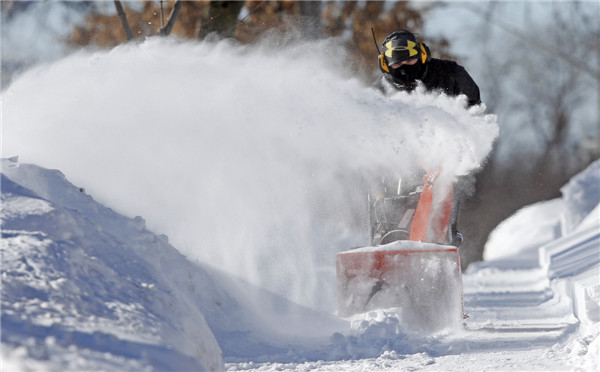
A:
[451, 78]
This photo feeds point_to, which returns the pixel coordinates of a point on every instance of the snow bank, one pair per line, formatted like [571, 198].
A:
[565, 234]
[83, 288]
[574, 259]
[543, 222]
[525, 231]
[253, 160]
[573, 262]
[582, 199]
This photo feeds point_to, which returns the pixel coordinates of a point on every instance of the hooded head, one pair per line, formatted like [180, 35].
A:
[403, 58]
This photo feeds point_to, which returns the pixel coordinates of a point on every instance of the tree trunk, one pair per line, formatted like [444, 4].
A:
[123, 18]
[310, 11]
[166, 30]
[222, 18]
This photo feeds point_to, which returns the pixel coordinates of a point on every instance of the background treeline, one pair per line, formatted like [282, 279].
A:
[247, 21]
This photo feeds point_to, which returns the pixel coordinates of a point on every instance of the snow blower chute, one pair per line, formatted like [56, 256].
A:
[413, 263]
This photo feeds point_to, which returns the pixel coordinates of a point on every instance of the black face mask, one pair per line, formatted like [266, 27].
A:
[407, 74]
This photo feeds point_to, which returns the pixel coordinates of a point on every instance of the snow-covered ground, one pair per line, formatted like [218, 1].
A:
[245, 279]
[86, 288]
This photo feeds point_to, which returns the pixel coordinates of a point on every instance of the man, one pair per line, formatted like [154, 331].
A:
[406, 62]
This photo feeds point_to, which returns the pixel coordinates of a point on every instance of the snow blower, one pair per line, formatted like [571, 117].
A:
[413, 263]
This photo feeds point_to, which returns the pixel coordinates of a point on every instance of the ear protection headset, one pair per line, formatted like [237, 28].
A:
[424, 55]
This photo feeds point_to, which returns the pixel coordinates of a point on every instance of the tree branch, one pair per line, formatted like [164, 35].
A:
[166, 30]
[123, 18]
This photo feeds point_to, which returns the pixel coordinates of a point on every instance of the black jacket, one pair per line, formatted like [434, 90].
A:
[441, 74]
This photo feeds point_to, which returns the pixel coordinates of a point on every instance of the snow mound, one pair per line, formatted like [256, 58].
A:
[535, 225]
[525, 231]
[582, 198]
[78, 287]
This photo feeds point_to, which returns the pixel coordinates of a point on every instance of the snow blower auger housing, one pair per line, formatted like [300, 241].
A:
[410, 265]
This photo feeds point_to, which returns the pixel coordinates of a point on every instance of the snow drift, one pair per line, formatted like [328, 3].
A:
[253, 160]
[80, 281]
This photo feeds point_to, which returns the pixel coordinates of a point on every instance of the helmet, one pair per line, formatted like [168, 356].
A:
[400, 45]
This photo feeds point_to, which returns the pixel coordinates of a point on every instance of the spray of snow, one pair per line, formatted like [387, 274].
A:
[254, 160]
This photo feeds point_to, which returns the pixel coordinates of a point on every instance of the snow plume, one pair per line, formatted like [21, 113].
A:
[254, 160]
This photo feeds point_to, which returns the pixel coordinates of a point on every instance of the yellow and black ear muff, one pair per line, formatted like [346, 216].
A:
[425, 53]
[383, 66]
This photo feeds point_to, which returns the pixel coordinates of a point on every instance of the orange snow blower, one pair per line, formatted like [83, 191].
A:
[411, 264]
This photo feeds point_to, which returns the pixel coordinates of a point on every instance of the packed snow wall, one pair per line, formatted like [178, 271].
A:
[565, 241]
[255, 160]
